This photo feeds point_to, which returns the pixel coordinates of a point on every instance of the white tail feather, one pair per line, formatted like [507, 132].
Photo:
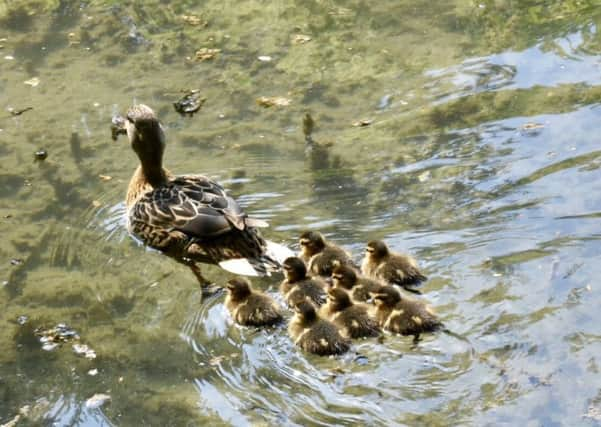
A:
[278, 252]
[244, 267]
[239, 266]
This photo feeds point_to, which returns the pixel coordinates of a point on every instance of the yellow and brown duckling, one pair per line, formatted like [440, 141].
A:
[360, 287]
[314, 334]
[297, 285]
[352, 319]
[321, 255]
[393, 268]
[189, 217]
[396, 313]
[249, 307]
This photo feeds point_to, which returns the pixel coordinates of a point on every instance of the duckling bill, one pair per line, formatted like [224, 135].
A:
[249, 307]
[189, 217]
[314, 334]
[394, 268]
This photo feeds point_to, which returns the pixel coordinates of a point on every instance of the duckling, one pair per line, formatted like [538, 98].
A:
[353, 320]
[249, 307]
[314, 334]
[320, 254]
[357, 285]
[393, 268]
[298, 286]
[402, 315]
[190, 218]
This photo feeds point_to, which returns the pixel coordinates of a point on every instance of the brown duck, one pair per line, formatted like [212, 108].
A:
[352, 319]
[393, 268]
[402, 315]
[297, 285]
[314, 334]
[190, 217]
[360, 287]
[249, 307]
[321, 255]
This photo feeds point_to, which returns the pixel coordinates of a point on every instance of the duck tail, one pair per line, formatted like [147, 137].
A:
[271, 261]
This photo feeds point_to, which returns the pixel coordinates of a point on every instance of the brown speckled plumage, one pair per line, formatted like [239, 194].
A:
[359, 286]
[249, 307]
[297, 285]
[352, 319]
[314, 334]
[402, 315]
[320, 255]
[190, 218]
[393, 268]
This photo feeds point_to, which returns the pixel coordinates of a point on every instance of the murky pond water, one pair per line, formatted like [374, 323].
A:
[482, 158]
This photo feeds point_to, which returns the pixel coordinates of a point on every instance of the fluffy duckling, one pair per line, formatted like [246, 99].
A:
[298, 286]
[353, 320]
[189, 217]
[249, 307]
[320, 255]
[314, 334]
[402, 315]
[393, 268]
[360, 287]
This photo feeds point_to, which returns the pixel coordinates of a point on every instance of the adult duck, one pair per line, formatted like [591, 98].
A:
[190, 218]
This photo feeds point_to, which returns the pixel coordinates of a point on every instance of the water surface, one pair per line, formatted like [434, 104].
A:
[482, 159]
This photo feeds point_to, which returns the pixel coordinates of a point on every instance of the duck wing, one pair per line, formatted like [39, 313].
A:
[194, 205]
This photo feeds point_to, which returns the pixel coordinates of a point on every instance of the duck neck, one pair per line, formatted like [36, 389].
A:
[153, 173]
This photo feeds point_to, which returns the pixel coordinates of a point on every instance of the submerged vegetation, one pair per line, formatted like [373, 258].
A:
[463, 131]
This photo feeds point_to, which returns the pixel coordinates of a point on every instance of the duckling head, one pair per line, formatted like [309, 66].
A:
[239, 288]
[339, 299]
[387, 296]
[294, 269]
[376, 250]
[343, 276]
[312, 242]
[305, 311]
[146, 136]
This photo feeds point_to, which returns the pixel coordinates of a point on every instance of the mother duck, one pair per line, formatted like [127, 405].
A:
[190, 217]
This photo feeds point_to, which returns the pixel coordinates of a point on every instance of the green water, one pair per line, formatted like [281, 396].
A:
[482, 159]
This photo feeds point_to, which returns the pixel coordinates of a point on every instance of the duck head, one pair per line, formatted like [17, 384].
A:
[305, 311]
[294, 269]
[344, 277]
[312, 242]
[239, 288]
[376, 250]
[387, 296]
[147, 139]
[339, 299]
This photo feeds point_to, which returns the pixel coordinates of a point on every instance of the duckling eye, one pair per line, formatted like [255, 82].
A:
[336, 276]
[368, 249]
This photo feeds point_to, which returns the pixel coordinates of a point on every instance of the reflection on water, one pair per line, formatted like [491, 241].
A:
[481, 159]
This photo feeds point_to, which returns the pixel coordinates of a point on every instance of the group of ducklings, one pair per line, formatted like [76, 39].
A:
[334, 300]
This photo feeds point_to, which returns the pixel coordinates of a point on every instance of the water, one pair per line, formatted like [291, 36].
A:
[482, 159]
